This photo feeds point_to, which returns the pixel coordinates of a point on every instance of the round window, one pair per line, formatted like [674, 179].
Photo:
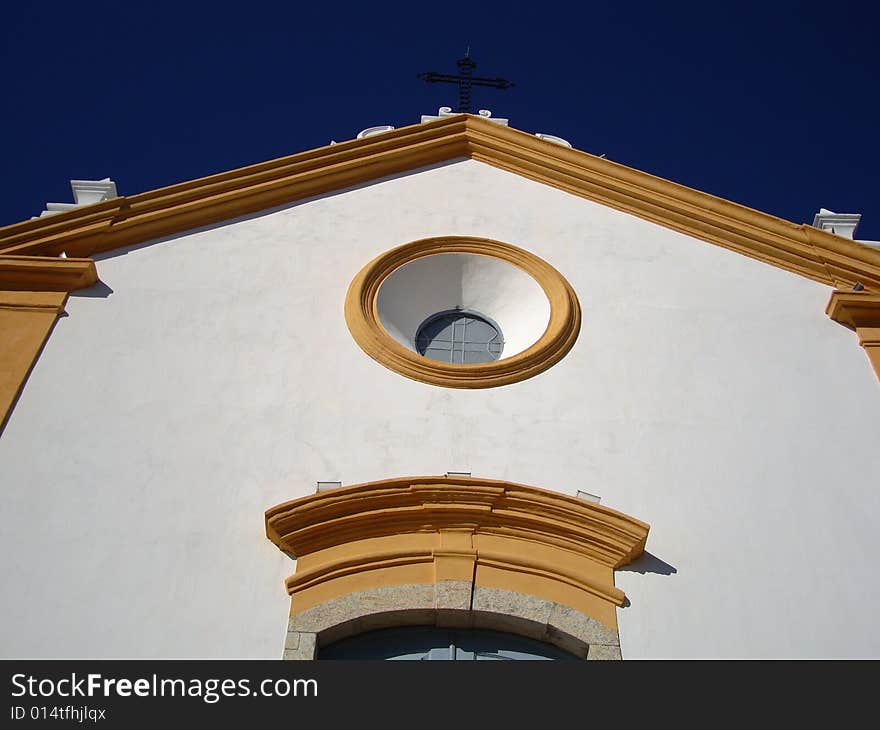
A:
[417, 309]
[459, 337]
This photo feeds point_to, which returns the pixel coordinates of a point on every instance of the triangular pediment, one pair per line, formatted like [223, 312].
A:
[128, 220]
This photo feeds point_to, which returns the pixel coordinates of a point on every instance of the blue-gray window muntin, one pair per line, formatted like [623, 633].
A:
[433, 644]
[459, 336]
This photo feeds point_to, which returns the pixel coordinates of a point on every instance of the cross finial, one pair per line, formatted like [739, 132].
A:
[465, 81]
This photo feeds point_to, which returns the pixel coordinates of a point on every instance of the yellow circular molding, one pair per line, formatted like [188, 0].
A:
[362, 317]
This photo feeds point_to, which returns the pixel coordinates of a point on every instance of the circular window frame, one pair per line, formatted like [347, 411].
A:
[362, 317]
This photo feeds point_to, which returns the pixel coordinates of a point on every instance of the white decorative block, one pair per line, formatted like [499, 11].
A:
[446, 111]
[443, 111]
[486, 114]
[370, 131]
[327, 486]
[840, 224]
[554, 139]
[85, 192]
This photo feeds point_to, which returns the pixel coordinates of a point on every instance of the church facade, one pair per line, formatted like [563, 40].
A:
[452, 376]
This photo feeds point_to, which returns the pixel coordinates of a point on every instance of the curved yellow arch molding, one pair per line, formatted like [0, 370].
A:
[362, 317]
[470, 543]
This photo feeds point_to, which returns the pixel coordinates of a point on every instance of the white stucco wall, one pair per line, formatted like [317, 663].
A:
[708, 395]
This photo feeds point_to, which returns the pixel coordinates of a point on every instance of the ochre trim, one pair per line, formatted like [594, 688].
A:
[426, 530]
[362, 317]
[34, 273]
[799, 248]
[123, 221]
[47, 302]
[26, 319]
[33, 291]
[133, 219]
[859, 311]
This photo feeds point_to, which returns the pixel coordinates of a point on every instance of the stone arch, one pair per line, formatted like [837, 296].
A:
[449, 606]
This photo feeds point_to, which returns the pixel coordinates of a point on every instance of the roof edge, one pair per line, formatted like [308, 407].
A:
[799, 248]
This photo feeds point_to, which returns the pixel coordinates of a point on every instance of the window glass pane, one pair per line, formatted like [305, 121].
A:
[459, 337]
[432, 644]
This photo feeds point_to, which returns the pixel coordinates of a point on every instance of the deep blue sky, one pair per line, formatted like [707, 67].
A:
[774, 106]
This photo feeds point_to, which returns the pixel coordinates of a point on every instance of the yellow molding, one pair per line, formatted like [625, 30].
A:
[417, 530]
[26, 319]
[33, 291]
[133, 219]
[40, 274]
[32, 301]
[333, 570]
[362, 317]
[68, 231]
[854, 309]
[327, 519]
[860, 311]
[349, 565]
[798, 248]
[553, 572]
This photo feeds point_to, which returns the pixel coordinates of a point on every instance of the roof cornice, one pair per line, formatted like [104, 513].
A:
[127, 220]
[417, 504]
[44, 274]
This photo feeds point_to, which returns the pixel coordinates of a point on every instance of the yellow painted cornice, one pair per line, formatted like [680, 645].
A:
[860, 311]
[466, 532]
[47, 302]
[434, 503]
[33, 290]
[45, 274]
[132, 219]
[813, 253]
[854, 309]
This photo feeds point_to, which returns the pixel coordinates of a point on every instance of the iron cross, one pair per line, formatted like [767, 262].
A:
[465, 81]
